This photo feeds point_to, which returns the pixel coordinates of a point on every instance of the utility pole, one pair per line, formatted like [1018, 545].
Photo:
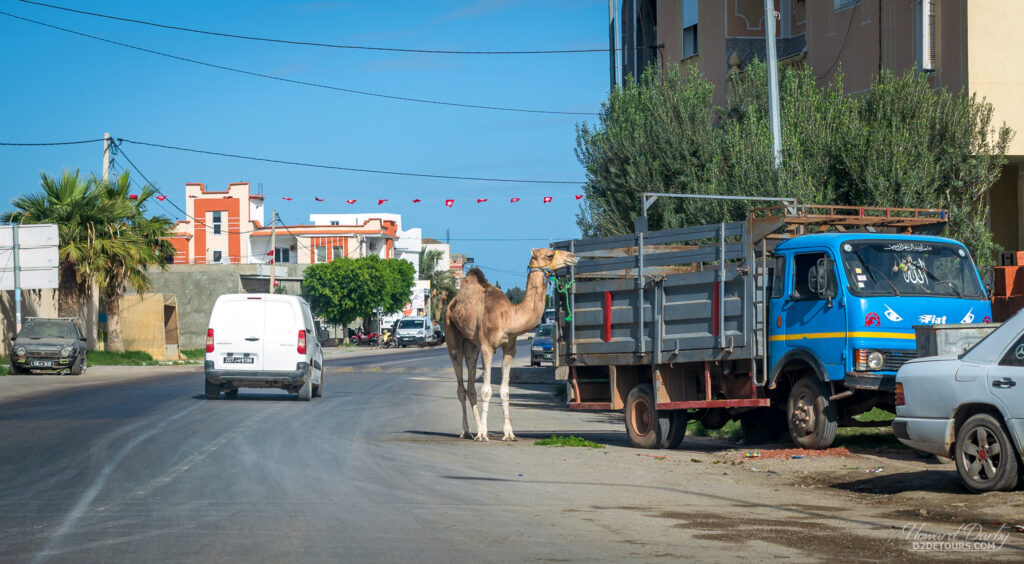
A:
[106, 157]
[773, 84]
[273, 248]
[17, 279]
[611, 42]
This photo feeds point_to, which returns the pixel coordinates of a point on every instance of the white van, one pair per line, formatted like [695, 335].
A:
[415, 331]
[263, 341]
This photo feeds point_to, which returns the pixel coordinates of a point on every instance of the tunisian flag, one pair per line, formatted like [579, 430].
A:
[381, 202]
[481, 200]
[513, 200]
[350, 201]
[547, 199]
[449, 203]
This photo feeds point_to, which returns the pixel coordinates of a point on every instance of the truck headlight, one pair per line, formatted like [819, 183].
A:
[20, 351]
[869, 360]
[66, 351]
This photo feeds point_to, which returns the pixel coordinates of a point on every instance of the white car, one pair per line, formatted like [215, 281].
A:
[969, 408]
[263, 341]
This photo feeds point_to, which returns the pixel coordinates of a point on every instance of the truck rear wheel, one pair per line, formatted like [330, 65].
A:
[646, 427]
[812, 415]
[677, 428]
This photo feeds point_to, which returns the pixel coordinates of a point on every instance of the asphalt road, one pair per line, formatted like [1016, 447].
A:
[146, 470]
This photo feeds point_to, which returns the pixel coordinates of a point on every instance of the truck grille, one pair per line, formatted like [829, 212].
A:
[895, 359]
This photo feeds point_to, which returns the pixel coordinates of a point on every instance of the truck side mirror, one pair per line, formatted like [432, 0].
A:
[824, 280]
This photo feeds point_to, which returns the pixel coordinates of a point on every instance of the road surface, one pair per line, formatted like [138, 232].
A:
[143, 469]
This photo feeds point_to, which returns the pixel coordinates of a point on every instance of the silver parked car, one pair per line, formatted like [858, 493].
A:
[969, 407]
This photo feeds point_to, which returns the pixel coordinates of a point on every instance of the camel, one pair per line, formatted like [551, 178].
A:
[480, 319]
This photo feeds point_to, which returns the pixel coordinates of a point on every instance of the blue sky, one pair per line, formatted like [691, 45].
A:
[63, 87]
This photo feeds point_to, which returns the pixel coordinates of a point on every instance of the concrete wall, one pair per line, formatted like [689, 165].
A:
[197, 287]
[147, 325]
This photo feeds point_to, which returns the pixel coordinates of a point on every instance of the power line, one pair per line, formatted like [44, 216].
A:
[300, 82]
[50, 144]
[345, 168]
[328, 45]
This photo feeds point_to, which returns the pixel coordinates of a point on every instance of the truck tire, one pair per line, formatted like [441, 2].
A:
[646, 427]
[812, 416]
[306, 391]
[677, 428]
[763, 425]
[985, 457]
[212, 390]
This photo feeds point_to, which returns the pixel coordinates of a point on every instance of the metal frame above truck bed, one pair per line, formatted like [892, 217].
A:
[694, 296]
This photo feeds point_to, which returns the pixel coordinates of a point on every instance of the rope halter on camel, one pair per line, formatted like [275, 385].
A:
[554, 281]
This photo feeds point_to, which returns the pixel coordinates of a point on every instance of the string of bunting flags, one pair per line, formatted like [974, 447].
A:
[448, 202]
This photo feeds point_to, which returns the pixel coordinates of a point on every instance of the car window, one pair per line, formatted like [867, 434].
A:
[802, 265]
[410, 324]
[544, 331]
[1014, 356]
[778, 278]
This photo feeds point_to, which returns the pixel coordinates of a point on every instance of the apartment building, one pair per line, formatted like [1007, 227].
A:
[962, 45]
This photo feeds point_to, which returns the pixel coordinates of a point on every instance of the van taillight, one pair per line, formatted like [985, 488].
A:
[901, 399]
[302, 342]
[209, 340]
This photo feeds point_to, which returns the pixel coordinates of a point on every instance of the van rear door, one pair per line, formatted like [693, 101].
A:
[237, 324]
[282, 323]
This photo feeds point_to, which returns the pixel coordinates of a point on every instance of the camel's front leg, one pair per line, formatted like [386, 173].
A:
[485, 394]
[456, 356]
[506, 369]
[471, 354]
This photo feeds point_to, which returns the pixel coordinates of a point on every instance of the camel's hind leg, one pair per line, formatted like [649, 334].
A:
[454, 341]
[485, 393]
[470, 354]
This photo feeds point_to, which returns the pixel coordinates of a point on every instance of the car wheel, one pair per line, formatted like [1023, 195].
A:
[985, 457]
[811, 414]
[318, 390]
[762, 425]
[77, 368]
[646, 426]
[212, 390]
[306, 391]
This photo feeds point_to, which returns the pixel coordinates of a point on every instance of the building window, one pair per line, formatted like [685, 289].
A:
[321, 254]
[840, 4]
[335, 222]
[281, 255]
[216, 223]
[690, 17]
[924, 16]
[216, 257]
[338, 252]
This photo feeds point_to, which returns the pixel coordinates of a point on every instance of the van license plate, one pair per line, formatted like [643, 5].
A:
[42, 363]
[239, 360]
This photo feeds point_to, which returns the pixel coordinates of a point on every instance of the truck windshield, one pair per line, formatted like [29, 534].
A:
[410, 324]
[910, 268]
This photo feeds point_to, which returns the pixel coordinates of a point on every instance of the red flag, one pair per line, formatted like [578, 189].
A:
[514, 200]
[416, 200]
[229, 197]
[282, 197]
[350, 201]
[318, 199]
[271, 261]
[449, 203]
[380, 202]
[190, 196]
[579, 196]
[547, 199]
[270, 253]
[481, 200]
[161, 198]
[133, 196]
[276, 283]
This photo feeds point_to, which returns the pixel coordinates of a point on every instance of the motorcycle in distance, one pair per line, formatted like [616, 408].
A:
[386, 340]
[359, 337]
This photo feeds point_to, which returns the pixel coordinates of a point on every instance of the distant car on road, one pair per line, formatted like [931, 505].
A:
[263, 341]
[417, 331]
[52, 345]
[969, 407]
[542, 347]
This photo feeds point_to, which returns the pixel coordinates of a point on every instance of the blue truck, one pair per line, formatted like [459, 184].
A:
[796, 319]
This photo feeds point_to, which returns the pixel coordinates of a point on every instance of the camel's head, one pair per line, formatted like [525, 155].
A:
[550, 259]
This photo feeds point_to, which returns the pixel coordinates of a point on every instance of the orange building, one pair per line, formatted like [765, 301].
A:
[218, 225]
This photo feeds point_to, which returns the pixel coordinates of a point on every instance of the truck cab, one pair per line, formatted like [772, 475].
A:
[843, 308]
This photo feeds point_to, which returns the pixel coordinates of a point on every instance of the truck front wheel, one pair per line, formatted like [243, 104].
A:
[812, 415]
[646, 427]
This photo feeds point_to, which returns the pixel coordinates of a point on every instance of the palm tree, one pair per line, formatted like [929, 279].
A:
[442, 282]
[132, 244]
[78, 210]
